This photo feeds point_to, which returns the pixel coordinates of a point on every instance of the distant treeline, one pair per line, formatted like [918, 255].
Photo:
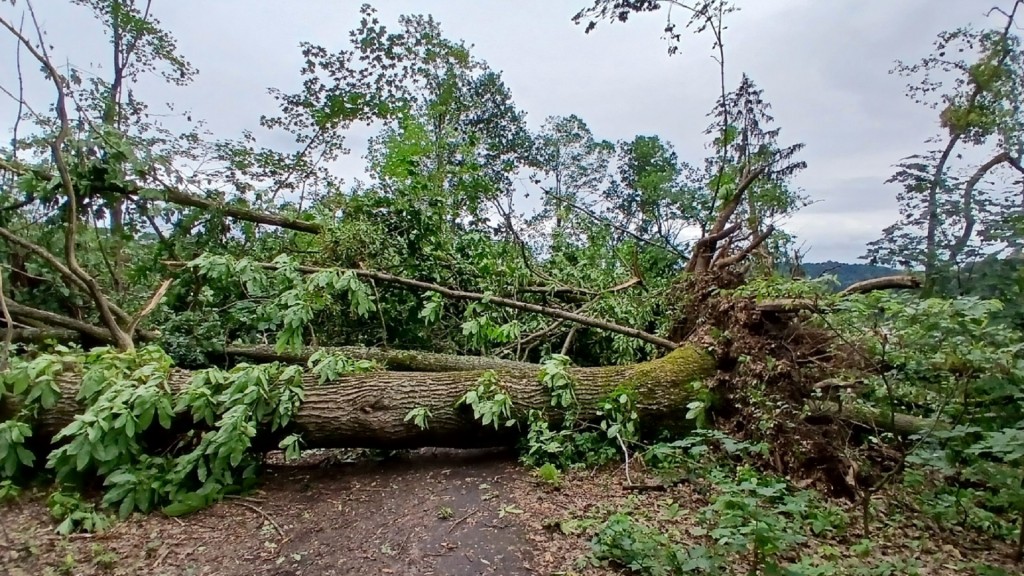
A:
[986, 278]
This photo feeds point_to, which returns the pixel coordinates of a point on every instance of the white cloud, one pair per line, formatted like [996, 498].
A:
[823, 65]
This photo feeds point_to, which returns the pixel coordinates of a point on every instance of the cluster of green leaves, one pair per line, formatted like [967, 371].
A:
[75, 514]
[946, 357]
[281, 302]
[957, 362]
[561, 437]
[490, 403]
[749, 517]
[645, 550]
[129, 433]
[776, 286]
[420, 416]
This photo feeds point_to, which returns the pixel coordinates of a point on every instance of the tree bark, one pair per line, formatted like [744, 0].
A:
[903, 424]
[369, 410]
[398, 360]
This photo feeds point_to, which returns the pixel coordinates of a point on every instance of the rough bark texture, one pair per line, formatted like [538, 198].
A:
[369, 410]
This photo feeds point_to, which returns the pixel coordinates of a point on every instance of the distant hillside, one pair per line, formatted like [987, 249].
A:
[846, 273]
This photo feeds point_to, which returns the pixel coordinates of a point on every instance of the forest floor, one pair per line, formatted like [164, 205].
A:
[428, 512]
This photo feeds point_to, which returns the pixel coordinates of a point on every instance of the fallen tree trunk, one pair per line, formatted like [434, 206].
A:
[369, 410]
[40, 335]
[397, 360]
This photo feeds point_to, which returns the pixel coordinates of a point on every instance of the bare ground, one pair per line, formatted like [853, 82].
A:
[427, 512]
[430, 512]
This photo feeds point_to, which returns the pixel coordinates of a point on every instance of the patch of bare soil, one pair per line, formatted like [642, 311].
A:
[428, 512]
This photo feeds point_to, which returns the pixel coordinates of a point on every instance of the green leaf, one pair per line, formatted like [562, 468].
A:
[82, 460]
[25, 456]
[127, 506]
[165, 418]
[181, 508]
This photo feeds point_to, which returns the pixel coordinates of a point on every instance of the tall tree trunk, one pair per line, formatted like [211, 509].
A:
[931, 247]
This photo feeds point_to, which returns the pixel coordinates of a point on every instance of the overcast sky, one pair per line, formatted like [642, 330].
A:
[824, 66]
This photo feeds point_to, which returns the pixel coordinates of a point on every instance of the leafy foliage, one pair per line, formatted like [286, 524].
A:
[129, 396]
[101, 205]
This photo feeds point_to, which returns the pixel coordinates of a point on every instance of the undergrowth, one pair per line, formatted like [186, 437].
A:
[126, 440]
[150, 438]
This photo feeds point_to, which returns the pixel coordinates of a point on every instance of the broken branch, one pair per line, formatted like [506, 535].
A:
[475, 297]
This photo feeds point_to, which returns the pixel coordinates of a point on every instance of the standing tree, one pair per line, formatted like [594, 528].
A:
[955, 211]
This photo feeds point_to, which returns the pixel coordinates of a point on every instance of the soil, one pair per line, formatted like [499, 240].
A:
[428, 512]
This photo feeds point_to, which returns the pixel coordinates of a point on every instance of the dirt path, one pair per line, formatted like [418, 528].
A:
[429, 512]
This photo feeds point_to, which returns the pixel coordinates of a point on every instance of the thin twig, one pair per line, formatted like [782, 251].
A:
[261, 512]
[5, 354]
[21, 93]
[625, 452]
[463, 519]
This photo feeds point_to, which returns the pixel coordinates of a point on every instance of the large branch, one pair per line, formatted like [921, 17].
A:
[730, 207]
[897, 423]
[475, 297]
[58, 321]
[791, 305]
[40, 335]
[738, 257]
[900, 282]
[704, 250]
[967, 204]
[181, 198]
[58, 327]
[398, 360]
[123, 339]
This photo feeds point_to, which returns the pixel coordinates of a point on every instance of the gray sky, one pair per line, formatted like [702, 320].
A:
[824, 66]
